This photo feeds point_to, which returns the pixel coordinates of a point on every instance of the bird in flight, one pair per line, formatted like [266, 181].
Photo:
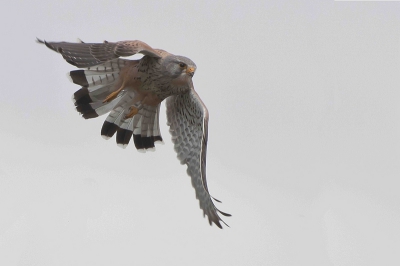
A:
[131, 91]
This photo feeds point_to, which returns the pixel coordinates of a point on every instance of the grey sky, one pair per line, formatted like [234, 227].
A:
[304, 137]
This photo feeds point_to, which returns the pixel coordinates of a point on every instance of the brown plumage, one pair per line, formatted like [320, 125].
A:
[131, 91]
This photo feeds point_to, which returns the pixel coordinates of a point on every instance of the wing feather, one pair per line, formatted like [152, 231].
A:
[188, 120]
[91, 54]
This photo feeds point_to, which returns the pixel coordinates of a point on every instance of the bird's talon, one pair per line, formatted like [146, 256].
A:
[114, 94]
[133, 111]
[111, 96]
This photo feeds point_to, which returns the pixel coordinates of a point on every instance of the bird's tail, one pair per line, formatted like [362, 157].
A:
[98, 82]
[143, 126]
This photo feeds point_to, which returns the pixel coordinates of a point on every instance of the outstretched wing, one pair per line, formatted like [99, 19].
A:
[188, 120]
[91, 54]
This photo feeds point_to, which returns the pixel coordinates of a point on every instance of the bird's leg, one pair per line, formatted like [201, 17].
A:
[132, 111]
[114, 94]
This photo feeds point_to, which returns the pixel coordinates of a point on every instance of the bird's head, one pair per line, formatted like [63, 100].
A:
[176, 66]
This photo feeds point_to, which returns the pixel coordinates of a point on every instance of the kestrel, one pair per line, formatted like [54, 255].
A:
[131, 91]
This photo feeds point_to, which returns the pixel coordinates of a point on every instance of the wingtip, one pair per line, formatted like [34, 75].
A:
[39, 40]
[216, 219]
[225, 223]
[217, 200]
[224, 213]
[47, 44]
[219, 224]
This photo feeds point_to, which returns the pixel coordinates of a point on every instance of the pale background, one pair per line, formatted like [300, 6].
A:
[304, 137]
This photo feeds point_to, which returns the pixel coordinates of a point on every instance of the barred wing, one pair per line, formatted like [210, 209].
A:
[85, 55]
[188, 120]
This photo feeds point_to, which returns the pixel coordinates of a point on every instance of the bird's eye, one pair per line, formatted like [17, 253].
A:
[182, 65]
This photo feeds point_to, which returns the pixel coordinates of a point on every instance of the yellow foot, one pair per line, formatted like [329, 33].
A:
[111, 96]
[114, 94]
[133, 111]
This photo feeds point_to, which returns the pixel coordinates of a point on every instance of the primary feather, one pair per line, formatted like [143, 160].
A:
[131, 91]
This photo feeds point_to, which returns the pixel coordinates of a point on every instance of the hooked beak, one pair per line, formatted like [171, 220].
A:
[190, 71]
